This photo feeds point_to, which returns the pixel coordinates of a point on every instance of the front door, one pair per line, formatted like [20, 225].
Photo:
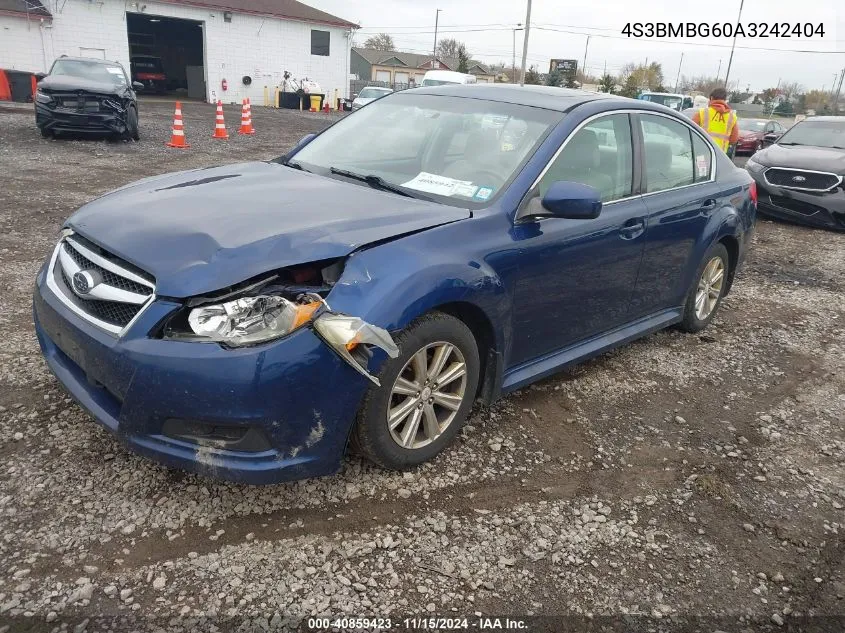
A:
[575, 278]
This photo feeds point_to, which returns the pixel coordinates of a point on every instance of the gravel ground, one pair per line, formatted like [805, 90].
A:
[679, 477]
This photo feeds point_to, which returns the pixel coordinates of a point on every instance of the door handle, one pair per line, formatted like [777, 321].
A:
[632, 229]
[709, 205]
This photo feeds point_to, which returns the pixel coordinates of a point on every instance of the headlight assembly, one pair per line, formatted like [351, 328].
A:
[42, 97]
[754, 166]
[250, 320]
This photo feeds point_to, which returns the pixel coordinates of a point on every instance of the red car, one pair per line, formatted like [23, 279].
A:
[755, 134]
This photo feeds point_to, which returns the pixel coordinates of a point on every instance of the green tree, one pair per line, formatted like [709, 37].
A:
[785, 108]
[463, 60]
[532, 76]
[554, 78]
[380, 42]
[630, 88]
[607, 84]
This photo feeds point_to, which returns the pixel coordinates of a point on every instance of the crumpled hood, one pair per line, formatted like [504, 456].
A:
[203, 230]
[63, 83]
[803, 157]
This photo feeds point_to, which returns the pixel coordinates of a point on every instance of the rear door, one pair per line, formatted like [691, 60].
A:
[680, 193]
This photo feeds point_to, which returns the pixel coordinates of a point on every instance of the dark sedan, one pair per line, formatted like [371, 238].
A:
[755, 134]
[799, 178]
[87, 96]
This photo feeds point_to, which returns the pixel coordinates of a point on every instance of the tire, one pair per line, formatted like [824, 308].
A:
[132, 132]
[45, 133]
[372, 435]
[696, 317]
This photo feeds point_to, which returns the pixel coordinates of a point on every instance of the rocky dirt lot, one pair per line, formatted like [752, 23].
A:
[695, 482]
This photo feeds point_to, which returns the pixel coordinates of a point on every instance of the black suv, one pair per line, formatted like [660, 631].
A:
[83, 95]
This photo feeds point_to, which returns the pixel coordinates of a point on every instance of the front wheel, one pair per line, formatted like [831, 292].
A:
[425, 395]
[707, 291]
[132, 132]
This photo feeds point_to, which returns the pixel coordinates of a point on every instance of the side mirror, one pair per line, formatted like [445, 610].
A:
[39, 76]
[572, 200]
[770, 138]
[137, 85]
[354, 95]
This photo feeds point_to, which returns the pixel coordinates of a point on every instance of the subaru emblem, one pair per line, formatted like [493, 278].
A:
[83, 282]
[798, 179]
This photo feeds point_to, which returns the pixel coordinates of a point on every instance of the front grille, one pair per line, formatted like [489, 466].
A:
[800, 179]
[117, 291]
[798, 206]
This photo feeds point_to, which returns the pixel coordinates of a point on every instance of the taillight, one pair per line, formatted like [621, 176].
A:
[753, 191]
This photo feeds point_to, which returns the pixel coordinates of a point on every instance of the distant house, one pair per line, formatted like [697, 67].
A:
[402, 69]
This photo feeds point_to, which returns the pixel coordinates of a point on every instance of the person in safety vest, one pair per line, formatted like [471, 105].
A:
[718, 120]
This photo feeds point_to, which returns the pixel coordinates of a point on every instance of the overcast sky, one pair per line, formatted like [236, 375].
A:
[486, 28]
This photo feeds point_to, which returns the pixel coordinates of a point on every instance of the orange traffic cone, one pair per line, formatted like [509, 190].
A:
[326, 106]
[220, 125]
[177, 136]
[249, 111]
[246, 120]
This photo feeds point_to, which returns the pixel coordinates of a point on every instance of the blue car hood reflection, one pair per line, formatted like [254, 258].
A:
[203, 230]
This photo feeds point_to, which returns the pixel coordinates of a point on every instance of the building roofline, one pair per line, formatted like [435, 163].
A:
[340, 22]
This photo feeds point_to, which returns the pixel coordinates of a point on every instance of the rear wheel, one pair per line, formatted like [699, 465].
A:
[707, 291]
[425, 395]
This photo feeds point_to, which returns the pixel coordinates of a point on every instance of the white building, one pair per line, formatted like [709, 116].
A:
[247, 43]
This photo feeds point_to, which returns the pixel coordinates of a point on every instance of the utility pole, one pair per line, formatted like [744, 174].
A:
[436, 22]
[678, 76]
[838, 91]
[513, 60]
[733, 45]
[718, 70]
[525, 43]
[584, 67]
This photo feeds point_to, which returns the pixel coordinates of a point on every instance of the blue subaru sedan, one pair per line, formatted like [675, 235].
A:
[439, 247]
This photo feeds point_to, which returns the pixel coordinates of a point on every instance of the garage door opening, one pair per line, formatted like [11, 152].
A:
[167, 55]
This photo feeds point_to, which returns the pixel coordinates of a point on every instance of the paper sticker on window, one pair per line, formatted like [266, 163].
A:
[483, 193]
[440, 185]
[701, 165]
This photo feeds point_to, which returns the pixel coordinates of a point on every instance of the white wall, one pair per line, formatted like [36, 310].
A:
[262, 48]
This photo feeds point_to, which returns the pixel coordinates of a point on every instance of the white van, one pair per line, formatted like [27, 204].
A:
[441, 77]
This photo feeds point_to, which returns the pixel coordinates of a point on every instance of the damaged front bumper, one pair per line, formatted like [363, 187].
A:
[87, 114]
[263, 414]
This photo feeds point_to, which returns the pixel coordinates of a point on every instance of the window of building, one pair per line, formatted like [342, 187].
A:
[320, 42]
[600, 155]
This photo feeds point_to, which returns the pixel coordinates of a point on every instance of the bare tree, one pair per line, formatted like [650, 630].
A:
[452, 48]
[380, 42]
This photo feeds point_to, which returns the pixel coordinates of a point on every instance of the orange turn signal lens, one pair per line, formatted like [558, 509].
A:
[304, 312]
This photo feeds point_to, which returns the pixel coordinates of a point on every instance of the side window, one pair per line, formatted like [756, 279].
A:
[599, 155]
[703, 158]
[668, 153]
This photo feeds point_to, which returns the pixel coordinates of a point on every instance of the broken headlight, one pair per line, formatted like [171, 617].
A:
[250, 320]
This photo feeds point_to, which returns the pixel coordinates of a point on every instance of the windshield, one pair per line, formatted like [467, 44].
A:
[462, 152]
[438, 82]
[817, 133]
[95, 71]
[372, 93]
[667, 100]
[751, 125]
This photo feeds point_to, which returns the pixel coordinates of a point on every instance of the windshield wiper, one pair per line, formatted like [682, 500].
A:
[791, 143]
[377, 182]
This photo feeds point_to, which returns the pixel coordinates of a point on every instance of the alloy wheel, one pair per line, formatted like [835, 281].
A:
[709, 288]
[426, 395]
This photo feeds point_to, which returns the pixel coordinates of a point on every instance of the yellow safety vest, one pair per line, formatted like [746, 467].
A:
[719, 128]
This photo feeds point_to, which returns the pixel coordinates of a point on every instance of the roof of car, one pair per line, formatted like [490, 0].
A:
[92, 60]
[827, 118]
[548, 97]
